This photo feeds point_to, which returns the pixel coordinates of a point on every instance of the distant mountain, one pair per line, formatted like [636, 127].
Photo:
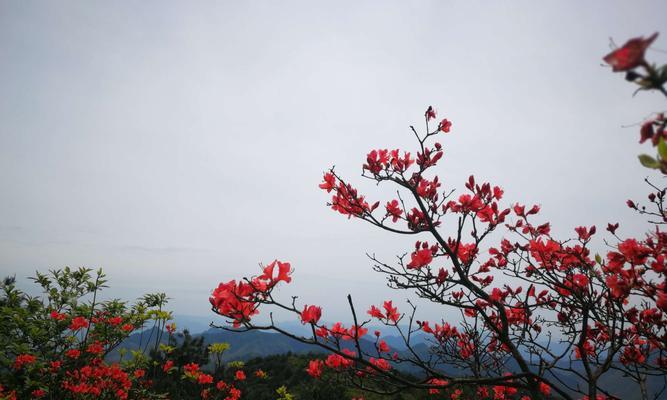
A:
[193, 323]
[247, 345]
[243, 346]
[199, 324]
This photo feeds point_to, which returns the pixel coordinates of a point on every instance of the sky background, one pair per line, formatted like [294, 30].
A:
[179, 144]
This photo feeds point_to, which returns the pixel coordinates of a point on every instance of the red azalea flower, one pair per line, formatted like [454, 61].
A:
[420, 258]
[311, 314]
[23, 359]
[315, 368]
[205, 379]
[329, 182]
[580, 280]
[57, 316]
[78, 323]
[338, 362]
[55, 365]
[394, 210]
[284, 270]
[95, 348]
[430, 113]
[445, 125]
[73, 353]
[646, 131]
[192, 368]
[391, 311]
[234, 394]
[376, 313]
[240, 375]
[630, 55]
[357, 332]
[380, 363]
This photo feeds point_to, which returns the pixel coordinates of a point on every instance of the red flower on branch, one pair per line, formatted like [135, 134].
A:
[329, 182]
[310, 314]
[375, 313]
[380, 363]
[57, 316]
[73, 353]
[630, 55]
[445, 125]
[204, 379]
[315, 368]
[78, 323]
[23, 359]
[430, 113]
[420, 258]
[284, 271]
[394, 210]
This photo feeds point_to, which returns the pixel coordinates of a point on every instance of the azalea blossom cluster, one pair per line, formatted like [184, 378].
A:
[210, 388]
[239, 300]
[513, 296]
[57, 347]
[85, 374]
[80, 370]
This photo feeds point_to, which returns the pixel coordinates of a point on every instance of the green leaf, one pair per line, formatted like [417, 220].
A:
[662, 72]
[662, 148]
[648, 161]
[598, 259]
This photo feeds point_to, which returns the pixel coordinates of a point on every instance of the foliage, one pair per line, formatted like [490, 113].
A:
[56, 346]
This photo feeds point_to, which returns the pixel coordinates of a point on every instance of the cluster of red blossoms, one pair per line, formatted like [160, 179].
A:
[81, 370]
[193, 372]
[79, 322]
[239, 300]
[97, 379]
[563, 285]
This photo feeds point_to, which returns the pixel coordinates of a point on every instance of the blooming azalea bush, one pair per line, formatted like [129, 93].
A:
[541, 316]
[55, 347]
[61, 346]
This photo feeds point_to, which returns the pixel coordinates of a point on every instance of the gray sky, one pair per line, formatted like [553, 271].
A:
[178, 144]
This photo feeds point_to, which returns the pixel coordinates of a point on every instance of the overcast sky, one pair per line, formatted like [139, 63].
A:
[179, 144]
